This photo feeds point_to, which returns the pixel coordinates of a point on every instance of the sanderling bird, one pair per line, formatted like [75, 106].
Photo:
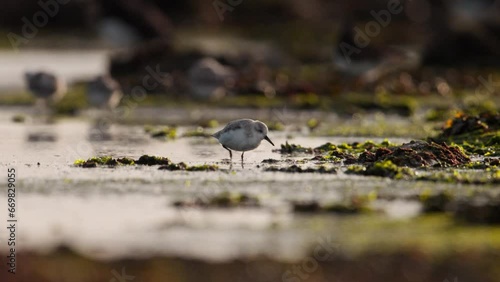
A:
[104, 92]
[46, 87]
[242, 135]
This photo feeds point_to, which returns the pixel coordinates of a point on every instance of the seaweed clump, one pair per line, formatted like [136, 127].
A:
[103, 160]
[418, 154]
[478, 134]
[165, 163]
[152, 160]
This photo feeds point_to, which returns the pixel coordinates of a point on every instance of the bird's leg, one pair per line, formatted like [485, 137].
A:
[230, 153]
[242, 156]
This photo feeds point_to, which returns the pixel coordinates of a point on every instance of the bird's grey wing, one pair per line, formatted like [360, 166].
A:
[233, 125]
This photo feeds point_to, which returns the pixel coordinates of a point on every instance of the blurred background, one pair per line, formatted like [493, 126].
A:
[260, 47]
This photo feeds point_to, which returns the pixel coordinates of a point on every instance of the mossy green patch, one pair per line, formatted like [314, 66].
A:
[165, 163]
[110, 161]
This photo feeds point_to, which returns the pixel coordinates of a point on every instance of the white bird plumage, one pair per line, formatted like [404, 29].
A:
[242, 135]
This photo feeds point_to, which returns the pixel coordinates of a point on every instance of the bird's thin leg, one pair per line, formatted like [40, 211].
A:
[230, 153]
[242, 156]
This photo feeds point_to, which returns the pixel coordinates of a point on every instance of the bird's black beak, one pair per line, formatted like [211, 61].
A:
[269, 140]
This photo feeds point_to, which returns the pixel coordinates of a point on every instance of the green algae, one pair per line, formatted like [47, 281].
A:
[163, 162]
[111, 162]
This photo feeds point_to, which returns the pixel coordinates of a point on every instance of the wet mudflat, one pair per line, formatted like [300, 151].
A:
[140, 216]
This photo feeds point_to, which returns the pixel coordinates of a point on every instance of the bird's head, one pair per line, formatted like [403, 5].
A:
[261, 129]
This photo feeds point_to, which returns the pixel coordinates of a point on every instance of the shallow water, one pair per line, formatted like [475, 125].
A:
[128, 211]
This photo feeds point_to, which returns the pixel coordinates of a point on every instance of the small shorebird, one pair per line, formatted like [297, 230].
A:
[242, 135]
[46, 87]
[104, 92]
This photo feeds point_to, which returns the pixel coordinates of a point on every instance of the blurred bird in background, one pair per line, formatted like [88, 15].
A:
[48, 89]
[103, 95]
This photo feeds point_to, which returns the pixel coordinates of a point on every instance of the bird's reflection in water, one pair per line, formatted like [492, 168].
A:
[103, 95]
[47, 89]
